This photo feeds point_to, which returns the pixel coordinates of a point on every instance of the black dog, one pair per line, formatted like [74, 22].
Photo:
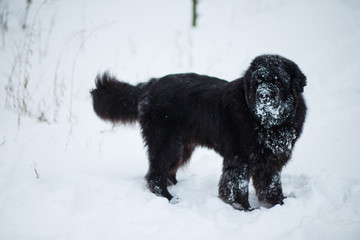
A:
[253, 122]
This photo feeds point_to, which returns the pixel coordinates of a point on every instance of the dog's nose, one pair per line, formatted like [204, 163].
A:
[264, 94]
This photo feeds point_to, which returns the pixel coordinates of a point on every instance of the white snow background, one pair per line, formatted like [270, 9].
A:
[65, 174]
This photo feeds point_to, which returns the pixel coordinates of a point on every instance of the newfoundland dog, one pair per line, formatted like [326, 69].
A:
[253, 122]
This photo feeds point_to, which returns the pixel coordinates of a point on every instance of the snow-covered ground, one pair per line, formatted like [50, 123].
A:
[65, 174]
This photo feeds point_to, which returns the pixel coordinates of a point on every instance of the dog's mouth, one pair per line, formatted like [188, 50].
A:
[269, 107]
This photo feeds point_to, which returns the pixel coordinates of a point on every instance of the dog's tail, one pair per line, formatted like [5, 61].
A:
[115, 101]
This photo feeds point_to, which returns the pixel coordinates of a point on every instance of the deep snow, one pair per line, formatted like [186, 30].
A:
[65, 174]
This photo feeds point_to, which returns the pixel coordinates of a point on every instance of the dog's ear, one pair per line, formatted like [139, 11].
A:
[298, 79]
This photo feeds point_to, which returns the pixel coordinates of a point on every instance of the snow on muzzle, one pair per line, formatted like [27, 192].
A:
[268, 107]
[268, 94]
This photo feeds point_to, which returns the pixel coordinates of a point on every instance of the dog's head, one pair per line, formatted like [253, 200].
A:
[272, 84]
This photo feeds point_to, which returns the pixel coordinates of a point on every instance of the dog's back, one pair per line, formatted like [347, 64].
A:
[118, 101]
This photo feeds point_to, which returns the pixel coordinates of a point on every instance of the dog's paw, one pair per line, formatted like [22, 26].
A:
[175, 200]
[238, 206]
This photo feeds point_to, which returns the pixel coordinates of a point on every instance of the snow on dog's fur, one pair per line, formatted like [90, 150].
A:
[252, 122]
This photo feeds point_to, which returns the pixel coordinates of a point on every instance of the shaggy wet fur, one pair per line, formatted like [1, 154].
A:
[252, 122]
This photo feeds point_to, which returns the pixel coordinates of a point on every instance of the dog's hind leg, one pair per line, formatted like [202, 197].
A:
[185, 157]
[164, 156]
[171, 179]
[157, 183]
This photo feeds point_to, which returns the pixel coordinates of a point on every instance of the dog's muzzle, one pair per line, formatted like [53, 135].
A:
[268, 94]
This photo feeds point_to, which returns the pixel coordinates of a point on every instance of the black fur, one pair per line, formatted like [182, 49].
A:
[115, 101]
[253, 122]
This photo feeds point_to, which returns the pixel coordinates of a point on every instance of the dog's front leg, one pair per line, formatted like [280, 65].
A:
[268, 187]
[234, 185]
